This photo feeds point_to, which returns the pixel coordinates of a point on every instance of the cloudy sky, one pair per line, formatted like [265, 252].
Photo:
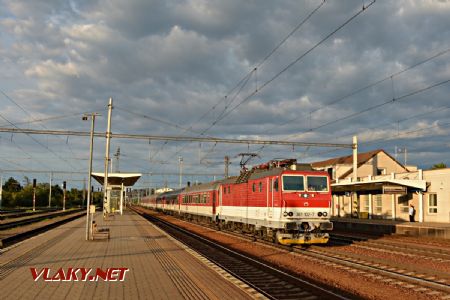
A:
[306, 71]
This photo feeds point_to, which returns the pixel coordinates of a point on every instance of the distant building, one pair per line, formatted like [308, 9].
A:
[385, 188]
[377, 162]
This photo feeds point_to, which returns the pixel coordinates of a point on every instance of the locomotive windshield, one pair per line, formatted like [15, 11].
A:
[317, 183]
[293, 183]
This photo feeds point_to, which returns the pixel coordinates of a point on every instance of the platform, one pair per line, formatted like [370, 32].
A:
[158, 266]
[382, 226]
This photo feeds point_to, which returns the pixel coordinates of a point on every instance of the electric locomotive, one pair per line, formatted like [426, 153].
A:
[282, 201]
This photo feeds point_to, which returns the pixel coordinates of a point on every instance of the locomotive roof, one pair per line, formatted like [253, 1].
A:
[260, 173]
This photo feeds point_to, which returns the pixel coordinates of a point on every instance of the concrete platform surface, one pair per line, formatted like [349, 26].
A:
[138, 262]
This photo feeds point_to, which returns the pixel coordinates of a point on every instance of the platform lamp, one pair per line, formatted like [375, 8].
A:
[91, 147]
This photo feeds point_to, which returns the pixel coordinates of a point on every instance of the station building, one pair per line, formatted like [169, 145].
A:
[384, 188]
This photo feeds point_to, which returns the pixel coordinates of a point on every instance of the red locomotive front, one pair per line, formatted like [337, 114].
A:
[279, 202]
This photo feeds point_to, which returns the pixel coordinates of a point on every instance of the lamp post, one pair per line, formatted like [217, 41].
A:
[106, 202]
[91, 148]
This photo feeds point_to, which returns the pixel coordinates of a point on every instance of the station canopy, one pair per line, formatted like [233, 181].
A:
[116, 179]
[378, 184]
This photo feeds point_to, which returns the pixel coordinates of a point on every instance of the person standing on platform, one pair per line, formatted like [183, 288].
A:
[412, 212]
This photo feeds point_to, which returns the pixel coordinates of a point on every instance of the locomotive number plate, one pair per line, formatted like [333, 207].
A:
[305, 214]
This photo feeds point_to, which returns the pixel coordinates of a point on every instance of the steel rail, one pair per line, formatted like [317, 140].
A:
[347, 262]
[324, 293]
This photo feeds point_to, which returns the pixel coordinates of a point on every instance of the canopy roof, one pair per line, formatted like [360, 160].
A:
[128, 179]
[378, 184]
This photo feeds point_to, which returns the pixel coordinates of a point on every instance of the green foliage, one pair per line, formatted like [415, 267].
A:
[12, 185]
[439, 166]
[14, 195]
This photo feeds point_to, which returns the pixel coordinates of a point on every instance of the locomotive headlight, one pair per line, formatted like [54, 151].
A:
[291, 214]
[285, 214]
[325, 214]
[319, 214]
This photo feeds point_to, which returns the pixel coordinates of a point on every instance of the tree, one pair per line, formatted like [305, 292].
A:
[12, 185]
[439, 166]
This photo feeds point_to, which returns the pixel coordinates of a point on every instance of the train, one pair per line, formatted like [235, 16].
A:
[281, 201]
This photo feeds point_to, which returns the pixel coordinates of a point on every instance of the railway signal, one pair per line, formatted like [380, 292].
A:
[34, 194]
[64, 195]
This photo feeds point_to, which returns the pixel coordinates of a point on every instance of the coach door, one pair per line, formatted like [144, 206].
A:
[270, 197]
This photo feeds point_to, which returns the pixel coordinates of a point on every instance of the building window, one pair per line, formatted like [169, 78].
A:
[364, 202]
[378, 203]
[403, 201]
[432, 204]
[381, 171]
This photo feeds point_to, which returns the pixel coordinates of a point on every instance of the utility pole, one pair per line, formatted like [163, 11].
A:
[64, 195]
[50, 191]
[89, 192]
[406, 151]
[108, 140]
[180, 160]
[117, 156]
[227, 162]
[84, 192]
[355, 158]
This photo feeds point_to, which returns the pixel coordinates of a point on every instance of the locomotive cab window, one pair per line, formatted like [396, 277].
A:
[293, 183]
[317, 183]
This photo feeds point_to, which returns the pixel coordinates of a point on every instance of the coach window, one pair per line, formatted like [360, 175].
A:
[254, 187]
[275, 185]
[229, 189]
[260, 186]
[204, 198]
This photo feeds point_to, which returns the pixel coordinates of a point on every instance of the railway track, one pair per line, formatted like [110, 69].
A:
[23, 213]
[427, 282]
[412, 277]
[267, 280]
[9, 238]
[33, 219]
[434, 283]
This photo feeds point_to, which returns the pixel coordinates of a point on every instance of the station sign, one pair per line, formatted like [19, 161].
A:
[394, 189]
